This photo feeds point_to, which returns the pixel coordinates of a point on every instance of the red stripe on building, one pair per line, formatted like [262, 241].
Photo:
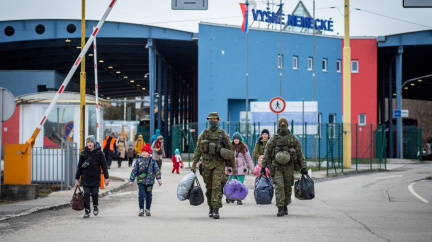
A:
[78, 61]
[95, 66]
[96, 85]
[42, 120]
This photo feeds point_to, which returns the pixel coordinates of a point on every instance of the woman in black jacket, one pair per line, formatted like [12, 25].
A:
[90, 163]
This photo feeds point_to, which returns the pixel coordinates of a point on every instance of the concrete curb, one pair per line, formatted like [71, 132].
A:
[60, 205]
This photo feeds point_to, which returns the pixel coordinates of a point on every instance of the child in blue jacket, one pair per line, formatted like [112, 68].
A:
[145, 170]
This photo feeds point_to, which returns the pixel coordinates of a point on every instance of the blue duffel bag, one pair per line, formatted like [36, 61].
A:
[263, 190]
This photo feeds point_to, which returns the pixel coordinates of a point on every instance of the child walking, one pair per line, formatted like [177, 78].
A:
[257, 169]
[130, 155]
[177, 161]
[145, 170]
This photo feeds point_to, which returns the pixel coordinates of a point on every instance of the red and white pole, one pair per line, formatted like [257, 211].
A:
[69, 76]
[98, 138]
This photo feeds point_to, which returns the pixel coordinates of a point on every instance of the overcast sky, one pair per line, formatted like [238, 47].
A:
[375, 17]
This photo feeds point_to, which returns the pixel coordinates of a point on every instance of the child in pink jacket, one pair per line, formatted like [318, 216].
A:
[257, 170]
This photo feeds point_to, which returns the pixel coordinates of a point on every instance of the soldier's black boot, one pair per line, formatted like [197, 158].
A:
[280, 212]
[216, 213]
[286, 210]
[210, 212]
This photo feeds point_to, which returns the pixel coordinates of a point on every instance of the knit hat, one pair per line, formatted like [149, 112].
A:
[237, 135]
[282, 119]
[91, 138]
[265, 131]
[160, 137]
[176, 151]
[146, 148]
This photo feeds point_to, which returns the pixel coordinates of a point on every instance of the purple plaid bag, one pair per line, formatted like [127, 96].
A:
[234, 190]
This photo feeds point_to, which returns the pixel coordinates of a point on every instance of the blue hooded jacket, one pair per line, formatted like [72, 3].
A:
[154, 137]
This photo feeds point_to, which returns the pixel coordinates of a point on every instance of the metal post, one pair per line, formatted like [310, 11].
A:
[371, 139]
[347, 90]
[327, 147]
[159, 88]
[82, 79]
[390, 110]
[152, 70]
[356, 146]
[98, 137]
[399, 132]
[247, 68]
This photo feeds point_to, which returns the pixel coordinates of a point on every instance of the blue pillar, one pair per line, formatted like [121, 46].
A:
[159, 91]
[390, 110]
[399, 141]
[152, 72]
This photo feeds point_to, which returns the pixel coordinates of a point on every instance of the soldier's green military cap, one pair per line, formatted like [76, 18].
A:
[282, 119]
[213, 115]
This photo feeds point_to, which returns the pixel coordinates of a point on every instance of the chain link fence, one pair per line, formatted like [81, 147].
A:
[322, 144]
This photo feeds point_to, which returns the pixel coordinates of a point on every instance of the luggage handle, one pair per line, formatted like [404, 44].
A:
[79, 189]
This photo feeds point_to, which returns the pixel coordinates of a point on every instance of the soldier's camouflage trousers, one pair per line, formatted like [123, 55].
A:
[214, 179]
[283, 180]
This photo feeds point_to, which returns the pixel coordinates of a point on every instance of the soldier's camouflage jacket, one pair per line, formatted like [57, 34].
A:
[278, 143]
[209, 145]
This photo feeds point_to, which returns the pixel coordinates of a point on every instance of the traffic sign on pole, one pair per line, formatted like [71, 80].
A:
[277, 105]
[397, 113]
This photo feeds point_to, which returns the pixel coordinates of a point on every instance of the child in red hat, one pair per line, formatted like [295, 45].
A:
[145, 170]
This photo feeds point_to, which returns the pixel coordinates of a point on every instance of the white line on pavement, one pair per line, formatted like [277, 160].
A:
[411, 189]
[386, 177]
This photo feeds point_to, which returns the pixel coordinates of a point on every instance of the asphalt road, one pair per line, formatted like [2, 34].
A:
[374, 206]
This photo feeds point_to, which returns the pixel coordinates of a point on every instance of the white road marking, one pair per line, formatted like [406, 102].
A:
[386, 177]
[411, 189]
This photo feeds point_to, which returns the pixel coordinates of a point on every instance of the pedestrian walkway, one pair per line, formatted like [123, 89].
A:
[119, 179]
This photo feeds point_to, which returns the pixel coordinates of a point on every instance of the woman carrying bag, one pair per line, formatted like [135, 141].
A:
[242, 159]
[90, 163]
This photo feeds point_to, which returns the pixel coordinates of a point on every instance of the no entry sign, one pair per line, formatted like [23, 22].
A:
[277, 105]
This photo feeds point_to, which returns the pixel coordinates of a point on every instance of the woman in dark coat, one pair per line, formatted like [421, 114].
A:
[90, 163]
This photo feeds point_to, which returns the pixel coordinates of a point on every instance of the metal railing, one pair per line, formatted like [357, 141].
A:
[55, 166]
[322, 144]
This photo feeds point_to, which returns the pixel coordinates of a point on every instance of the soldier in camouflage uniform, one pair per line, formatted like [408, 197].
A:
[209, 145]
[283, 155]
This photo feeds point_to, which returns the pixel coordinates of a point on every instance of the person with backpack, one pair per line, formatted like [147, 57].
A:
[145, 170]
[214, 147]
[261, 143]
[283, 155]
[90, 163]
[242, 160]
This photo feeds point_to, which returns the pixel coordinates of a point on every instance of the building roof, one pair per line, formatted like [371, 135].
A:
[55, 45]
